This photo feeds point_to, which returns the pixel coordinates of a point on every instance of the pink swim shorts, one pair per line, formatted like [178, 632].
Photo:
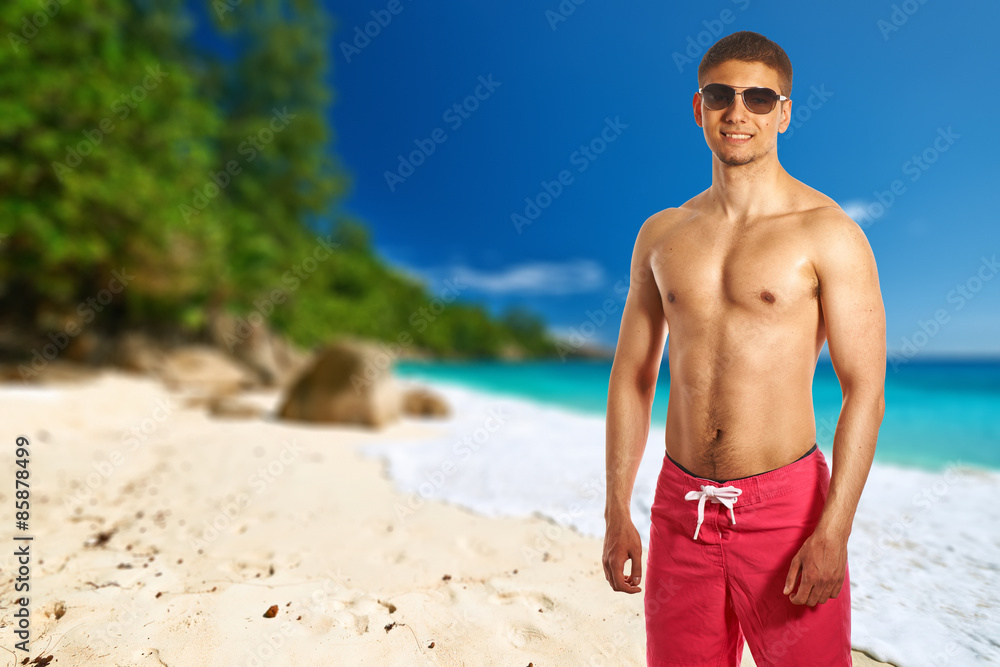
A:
[704, 596]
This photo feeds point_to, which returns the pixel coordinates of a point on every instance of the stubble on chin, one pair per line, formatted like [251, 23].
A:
[735, 160]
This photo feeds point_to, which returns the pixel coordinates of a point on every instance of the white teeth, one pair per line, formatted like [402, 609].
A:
[738, 136]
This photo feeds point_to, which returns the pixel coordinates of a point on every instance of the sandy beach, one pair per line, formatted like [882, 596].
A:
[313, 314]
[163, 536]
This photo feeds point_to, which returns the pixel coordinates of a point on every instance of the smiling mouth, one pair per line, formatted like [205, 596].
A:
[736, 135]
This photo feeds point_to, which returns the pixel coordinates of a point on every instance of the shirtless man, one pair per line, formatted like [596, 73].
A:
[750, 277]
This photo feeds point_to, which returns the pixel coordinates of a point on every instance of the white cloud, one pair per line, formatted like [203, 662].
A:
[857, 210]
[570, 277]
[573, 335]
[534, 278]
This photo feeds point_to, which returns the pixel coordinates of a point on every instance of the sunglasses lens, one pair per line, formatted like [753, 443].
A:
[760, 100]
[717, 96]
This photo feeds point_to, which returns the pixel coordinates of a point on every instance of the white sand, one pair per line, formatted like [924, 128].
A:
[320, 535]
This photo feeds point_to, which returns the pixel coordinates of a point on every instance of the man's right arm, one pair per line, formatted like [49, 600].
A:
[630, 397]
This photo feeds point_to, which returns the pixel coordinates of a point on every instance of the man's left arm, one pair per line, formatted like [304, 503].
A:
[854, 315]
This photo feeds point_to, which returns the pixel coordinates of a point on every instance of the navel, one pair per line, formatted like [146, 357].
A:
[767, 297]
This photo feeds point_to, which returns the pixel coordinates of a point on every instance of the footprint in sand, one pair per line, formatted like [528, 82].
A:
[521, 636]
[530, 599]
[346, 619]
[349, 610]
[473, 547]
[257, 569]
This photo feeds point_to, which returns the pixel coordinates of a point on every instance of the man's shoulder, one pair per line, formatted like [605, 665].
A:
[652, 231]
[822, 215]
[833, 235]
[828, 221]
[668, 217]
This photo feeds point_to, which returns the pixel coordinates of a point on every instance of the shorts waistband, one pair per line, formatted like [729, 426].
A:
[726, 481]
[804, 471]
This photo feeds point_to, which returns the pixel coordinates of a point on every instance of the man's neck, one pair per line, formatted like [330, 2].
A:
[758, 188]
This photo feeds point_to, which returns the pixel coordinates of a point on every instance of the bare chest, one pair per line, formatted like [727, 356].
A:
[705, 272]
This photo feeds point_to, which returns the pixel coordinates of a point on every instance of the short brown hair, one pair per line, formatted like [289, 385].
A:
[749, 47]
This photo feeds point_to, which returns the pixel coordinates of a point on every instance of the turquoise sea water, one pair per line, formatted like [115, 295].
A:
[938, 413]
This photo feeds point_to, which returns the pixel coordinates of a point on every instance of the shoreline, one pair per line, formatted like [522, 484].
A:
[305, 519]
[549, 460]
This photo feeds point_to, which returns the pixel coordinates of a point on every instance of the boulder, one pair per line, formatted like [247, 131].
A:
[203, 370]
[87, 347]
[53, 372]
[227, 406]
[349, 382]
[139, 353]
[290, 359]
[422, 402]
[274, 359]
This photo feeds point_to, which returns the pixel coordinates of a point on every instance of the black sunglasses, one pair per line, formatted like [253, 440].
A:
[718, 96]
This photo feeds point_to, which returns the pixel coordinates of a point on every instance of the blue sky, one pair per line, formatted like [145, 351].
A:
[888, 82]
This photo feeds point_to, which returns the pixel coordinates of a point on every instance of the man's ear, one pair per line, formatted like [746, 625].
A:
[786, 115]
[696, 105]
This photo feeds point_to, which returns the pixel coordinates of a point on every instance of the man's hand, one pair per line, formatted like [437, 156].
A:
[822, 561]
[622, 543]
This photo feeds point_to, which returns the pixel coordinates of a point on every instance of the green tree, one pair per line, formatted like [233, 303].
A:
[186, 182]
[95, 153]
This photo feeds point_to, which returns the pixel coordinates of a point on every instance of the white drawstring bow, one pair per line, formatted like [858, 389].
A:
[724, 495]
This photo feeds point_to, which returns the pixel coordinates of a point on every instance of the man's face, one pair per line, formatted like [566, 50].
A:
[736, 119]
